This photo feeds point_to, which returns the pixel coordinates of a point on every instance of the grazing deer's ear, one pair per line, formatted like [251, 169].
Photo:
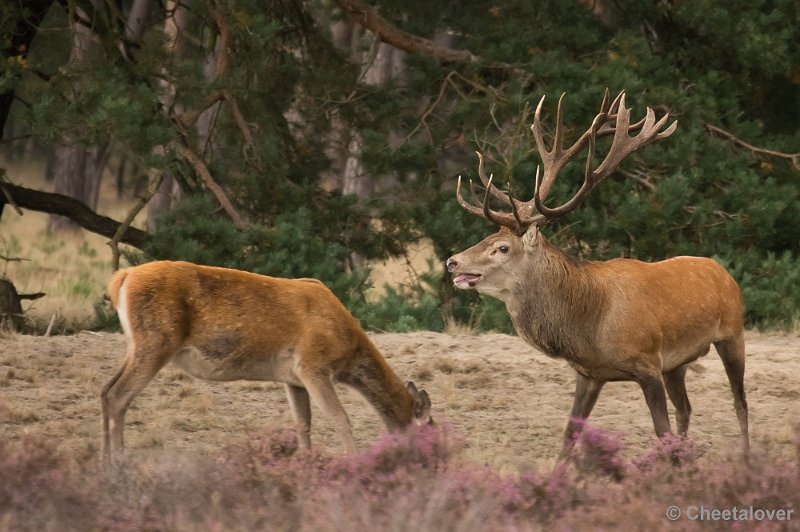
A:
[422, 402]
[531, 237]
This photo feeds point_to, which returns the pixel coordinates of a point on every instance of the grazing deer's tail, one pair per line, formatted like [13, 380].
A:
[114, 284]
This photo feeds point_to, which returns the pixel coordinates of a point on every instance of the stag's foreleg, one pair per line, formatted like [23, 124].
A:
[586, 393]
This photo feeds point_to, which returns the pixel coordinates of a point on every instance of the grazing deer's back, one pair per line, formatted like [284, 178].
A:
[194, 300]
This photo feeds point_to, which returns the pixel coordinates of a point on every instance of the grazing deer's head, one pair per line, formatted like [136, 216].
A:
[422, 404]
[489, 267]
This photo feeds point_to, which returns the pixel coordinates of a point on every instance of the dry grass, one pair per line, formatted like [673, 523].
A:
[402, 273]
[510, 402]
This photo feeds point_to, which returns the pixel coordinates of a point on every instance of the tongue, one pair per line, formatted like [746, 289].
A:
[466, 278]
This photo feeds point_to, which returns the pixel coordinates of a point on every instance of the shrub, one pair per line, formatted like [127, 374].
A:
[417, 479]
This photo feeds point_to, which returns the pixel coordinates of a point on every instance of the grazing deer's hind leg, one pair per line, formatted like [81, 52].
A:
[731, 351]
[138, 369]
[104, 404]
[320, 388]
[301, 410]
[586, 393]
[675, 383]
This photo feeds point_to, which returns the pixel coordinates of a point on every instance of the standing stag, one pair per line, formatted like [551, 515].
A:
[220, 324]
[618, 320]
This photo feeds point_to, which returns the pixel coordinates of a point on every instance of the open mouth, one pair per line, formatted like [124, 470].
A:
[466, 280]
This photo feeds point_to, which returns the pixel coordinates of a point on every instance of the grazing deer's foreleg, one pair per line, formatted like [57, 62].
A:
[656, 397]
[301, 410]
[138, 369]
[320, 388]
[675, 383]
[731, 351]
[586, 393]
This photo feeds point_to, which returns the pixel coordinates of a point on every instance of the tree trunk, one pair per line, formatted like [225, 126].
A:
[169, 191]
[69, 176]
[10, 307]
[70, 159]
[137, 19]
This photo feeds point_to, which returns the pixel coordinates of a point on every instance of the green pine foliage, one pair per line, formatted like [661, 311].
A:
[290, 247]
[729, 65]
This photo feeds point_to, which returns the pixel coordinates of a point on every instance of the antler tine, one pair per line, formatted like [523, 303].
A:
[498, 217]
[504, 219]
[588, 179]
[623, 144]
[618, 102]
[667, 132]
[534, 212]
[537, 131]
[558, 140]
[514, 210]
[472, 191]
[464, 203]
[496, 194]
[552, 158]
[604, 103]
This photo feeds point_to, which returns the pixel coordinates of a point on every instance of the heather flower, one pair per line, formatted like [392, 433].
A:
[599, 452]
[670, 448]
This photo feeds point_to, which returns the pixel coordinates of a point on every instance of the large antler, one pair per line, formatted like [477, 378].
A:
[613, 118]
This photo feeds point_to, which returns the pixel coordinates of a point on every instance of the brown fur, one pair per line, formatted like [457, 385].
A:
[224, 324]
[617, 320]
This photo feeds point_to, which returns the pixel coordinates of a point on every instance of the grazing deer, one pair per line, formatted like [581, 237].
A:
[220, 324]
[619, 320]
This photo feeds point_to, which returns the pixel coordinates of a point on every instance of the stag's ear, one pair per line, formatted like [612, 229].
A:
[531, 237]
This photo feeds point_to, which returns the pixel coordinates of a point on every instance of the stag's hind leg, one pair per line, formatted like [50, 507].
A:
[301, 410]
[139, 367]
[731, 351]
[652, 385]
[675, 383]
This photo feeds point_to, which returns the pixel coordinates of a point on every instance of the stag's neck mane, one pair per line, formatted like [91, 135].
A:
[557, 303]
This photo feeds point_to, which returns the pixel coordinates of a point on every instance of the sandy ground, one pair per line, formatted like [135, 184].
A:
[509, 401]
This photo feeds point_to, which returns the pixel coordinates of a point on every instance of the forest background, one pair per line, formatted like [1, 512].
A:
[318, 138]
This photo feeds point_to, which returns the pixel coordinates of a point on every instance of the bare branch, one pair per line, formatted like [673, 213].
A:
[152, 187]
[13, 259]
[205, 174]
[249, 149]
[186, 119]
[73, 209]
[387, 32]
[640, 177]
[794, 158]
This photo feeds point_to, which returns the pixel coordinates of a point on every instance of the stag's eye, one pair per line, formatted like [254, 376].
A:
[503, 249]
